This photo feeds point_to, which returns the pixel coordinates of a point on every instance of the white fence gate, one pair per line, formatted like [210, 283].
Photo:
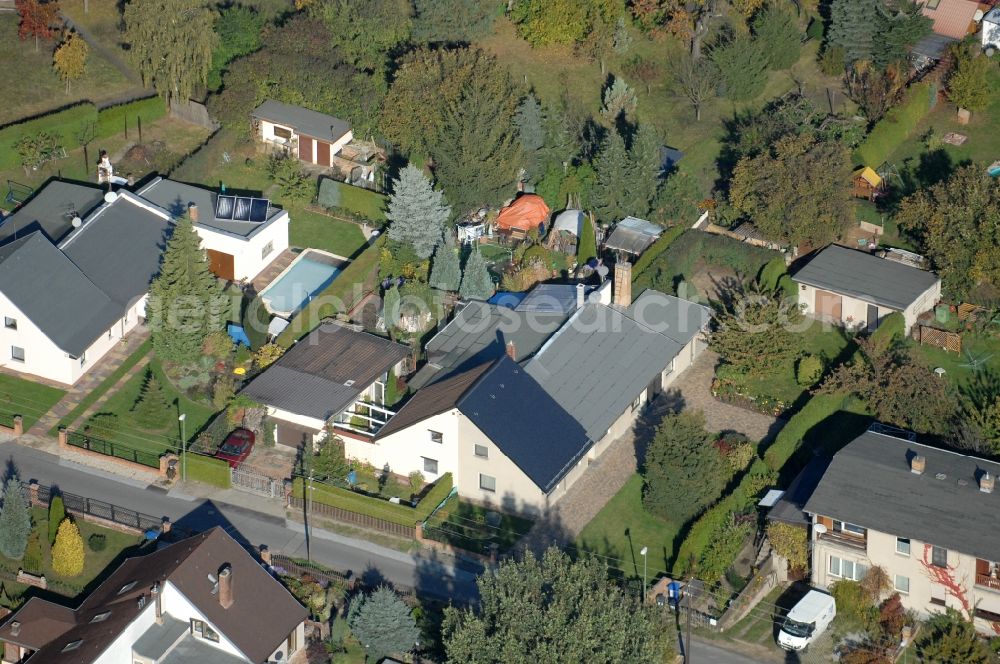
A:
[249, 479]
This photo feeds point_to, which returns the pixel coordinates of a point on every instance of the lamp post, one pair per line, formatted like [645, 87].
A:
[642, 552]
[182, 419]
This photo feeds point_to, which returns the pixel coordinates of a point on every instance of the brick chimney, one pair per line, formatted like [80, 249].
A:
[193, 212]
[623, 284]
[986, 483]
[226, 598]
[918, 464]
[512, 350]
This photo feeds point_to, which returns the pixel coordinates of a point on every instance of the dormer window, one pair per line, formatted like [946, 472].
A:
[127, 587]
[101, 617]
[72, 645]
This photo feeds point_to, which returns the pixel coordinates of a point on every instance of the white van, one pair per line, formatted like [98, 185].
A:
[807, 620]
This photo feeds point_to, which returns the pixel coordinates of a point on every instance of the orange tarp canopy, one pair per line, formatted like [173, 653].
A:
[525, 213]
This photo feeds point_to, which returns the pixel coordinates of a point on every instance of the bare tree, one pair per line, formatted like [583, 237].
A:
[695, 79]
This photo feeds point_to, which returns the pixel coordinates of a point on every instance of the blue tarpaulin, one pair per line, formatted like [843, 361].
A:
[238, 334]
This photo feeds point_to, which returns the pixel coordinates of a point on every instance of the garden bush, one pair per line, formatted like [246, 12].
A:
[32, 561]
[653, 252]
[66, 126]
[723, 548]
[97, 542]
[808, 370]
[790, 437]
[897, 125]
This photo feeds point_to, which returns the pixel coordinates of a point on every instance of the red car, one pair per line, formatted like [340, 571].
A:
[236, 447]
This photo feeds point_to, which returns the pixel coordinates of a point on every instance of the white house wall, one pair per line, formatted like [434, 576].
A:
[925, 302]
[404, 451]
[991, 34]
[178, 606]
[267, 131]
[43, 358]
[120, 650]
[247, 253]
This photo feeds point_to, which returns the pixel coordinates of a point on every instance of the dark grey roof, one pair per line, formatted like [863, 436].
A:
[51, 210]
[119, 248]
[553, 298]
[58, 298]
[193, 649]
[869, 483]
[865, 277]
[602, 358]
[160, 637]
[303, 121]
[933, 46]
[478, 333]
[671, 316]
[176, 197]
[791, 507]
[312, 378]
[528, 426]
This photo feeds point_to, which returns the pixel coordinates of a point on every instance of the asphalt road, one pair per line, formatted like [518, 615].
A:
[703, 652]
[426, 573]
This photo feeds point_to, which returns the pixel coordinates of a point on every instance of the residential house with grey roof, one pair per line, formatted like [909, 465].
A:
[76, 263]
[203, 599]
[592, 377]
[858, 289]
[927, 516]
[335, 376]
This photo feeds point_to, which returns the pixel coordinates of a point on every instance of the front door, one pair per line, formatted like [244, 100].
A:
[829, 305]
[306, 149]
[322, 153]
[872, 317]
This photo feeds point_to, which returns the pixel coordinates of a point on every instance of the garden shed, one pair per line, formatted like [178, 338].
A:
[867, 183]
[527, 212]
[633, 236]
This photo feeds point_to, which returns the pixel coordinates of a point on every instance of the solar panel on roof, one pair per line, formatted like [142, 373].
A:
[224, 207]
[242, 208]
[258, 209]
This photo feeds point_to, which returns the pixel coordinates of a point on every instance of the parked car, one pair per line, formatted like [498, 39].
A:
[236, 447]
[807, 620]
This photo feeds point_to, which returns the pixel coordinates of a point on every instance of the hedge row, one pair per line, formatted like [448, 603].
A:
[208, 469]
[657, 248]
[361, 273]
[75, 123]
[377, 508]
[896, 126]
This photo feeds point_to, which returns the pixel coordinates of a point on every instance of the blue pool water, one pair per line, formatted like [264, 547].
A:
[293, 290]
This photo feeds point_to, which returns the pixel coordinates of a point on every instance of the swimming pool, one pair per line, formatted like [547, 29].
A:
[306, 276]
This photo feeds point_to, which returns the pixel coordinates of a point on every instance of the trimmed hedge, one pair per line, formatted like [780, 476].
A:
[890, 329]
[817, 409]
[361, 273]
[70, 124]
[377, 508]
[111, 120]
[662, 244]
[896, 126]
[208, 469]
[369, 204]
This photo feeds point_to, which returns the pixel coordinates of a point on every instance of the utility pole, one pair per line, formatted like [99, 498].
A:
[689, 595]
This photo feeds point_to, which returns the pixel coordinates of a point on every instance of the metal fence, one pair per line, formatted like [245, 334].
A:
[83, 506]
[247, 478]
[354, 518]
[110, 448]
[285, 566]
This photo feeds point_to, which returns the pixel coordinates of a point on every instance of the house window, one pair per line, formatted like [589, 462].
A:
[436, 436]
[902, 584]
[10, 323]
[17, 353]
[933, 4]
[292, 644]
[430, 466]
[482, 451]
[847, 569]
[903, 546]
[487, 483]
[848, 528]
[281, 132]
[939, 556]
[266, 251]
[201, 628]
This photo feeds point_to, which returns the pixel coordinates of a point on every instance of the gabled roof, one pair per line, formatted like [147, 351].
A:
[325, 372]
[51, 210]
[478, 333]
[869, 483]
[866, 277]
[55, 294]
[303, 121]
[119, 248]
[604, 357]
[433, 400]
[261, 617]
[525, 423]
[869, 175]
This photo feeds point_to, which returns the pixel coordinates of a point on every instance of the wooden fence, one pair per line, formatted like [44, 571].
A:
[931, 336]
[354, 518]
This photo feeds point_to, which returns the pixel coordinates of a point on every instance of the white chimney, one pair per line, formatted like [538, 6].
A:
[581, 295]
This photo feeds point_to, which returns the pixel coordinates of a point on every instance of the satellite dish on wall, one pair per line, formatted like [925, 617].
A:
[110, 197]
[77, 222]
[819, 528]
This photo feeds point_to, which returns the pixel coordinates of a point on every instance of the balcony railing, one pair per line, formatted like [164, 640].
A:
[849, 541]
[988, 581]
[363, 417]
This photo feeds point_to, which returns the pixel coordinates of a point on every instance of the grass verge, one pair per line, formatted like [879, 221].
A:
[30, 400]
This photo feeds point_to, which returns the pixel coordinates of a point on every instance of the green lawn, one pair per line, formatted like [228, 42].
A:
[311, 229]
[623, 527]
[981, 349]
[167, 436]
[31, 87]
[780, 382]
[467, 526]
[25, 398]
[105, 385]
[96, 563]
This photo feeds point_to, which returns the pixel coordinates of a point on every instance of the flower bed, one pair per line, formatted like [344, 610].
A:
[727, 391]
